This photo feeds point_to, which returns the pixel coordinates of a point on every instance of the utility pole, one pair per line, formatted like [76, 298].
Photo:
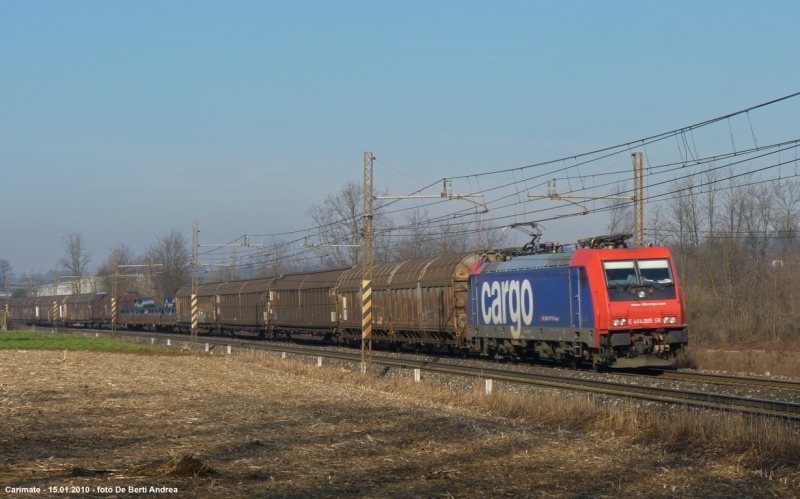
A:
[5, 317]
[55, 297]
[637, 198]
[195, 278]
[366, 278]
[196, 266]
[233, 263]
[114, 294]
[148, 275]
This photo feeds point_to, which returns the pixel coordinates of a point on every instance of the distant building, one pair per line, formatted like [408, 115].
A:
[89, 284]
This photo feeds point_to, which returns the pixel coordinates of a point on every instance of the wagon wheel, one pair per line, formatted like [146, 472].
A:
[598, 365]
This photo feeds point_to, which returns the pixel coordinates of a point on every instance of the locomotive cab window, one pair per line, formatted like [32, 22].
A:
[630, 280]
[620, 273]
[656, 271]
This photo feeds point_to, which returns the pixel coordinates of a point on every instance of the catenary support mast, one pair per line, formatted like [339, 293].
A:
[366, 279]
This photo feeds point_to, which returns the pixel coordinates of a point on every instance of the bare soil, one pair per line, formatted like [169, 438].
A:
[216, 426]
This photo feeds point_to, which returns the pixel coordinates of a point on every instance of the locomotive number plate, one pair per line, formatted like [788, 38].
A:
[654, 320]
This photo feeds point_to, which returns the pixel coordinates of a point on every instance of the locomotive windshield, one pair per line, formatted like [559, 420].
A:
[655, 271]
[639, 279]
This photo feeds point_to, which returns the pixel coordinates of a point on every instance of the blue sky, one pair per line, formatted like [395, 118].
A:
[123, 120]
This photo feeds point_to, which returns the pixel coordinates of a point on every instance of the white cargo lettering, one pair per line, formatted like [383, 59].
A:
[503, 298]
[514, 308]
[501, 301]
[527, 314]
[486, 312]
[497, 308]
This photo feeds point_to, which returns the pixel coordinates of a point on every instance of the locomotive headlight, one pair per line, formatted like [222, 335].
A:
[669, 320]
[615, 322]
[622, 322]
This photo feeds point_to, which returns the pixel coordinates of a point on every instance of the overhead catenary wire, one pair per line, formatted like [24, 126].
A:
[626, 145]
[579, 160]
[660, 195]
[649, 139]
[716, 181]
[711, 158]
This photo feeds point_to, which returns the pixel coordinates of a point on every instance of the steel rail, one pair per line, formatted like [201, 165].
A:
[727, 379]
[735, 403]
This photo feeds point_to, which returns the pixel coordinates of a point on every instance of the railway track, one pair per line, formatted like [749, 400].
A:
[727, 379]
[706, 400]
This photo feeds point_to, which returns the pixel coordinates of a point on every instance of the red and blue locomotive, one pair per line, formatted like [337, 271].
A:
[602, 303]
[605, 303]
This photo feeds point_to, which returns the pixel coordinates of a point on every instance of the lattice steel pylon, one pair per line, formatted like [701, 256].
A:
[114, 295]
[5, 317]
[638, 199]
[366, 266]
[55, 296]
[195, 278]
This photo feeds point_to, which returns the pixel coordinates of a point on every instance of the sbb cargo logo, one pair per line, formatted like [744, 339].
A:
[504, 302]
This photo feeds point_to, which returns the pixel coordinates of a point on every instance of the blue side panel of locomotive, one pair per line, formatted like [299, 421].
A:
[517, 302]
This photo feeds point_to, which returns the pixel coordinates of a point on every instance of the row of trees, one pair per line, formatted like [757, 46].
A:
[160, 271]
[736, 242]
[415, 234]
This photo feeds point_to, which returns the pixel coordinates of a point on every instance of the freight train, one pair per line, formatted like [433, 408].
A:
[602, 303]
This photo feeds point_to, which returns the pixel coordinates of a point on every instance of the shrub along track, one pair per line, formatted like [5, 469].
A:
[700, 399]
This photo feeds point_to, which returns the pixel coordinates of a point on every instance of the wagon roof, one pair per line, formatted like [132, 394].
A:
[206, 289]
[231, 287]
[434, 271]
[76, 299]
[258, 285]
[308, 280]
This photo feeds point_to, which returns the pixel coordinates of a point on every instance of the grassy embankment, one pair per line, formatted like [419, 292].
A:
[28, 340]
[745, 440]
[776, 359]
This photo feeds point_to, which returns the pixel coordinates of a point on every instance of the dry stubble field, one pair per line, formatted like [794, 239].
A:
[264, 427]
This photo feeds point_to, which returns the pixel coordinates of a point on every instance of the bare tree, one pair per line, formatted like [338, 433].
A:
[415, 236]
[276, 259]
[128, 279]
[383, 245]
[620, 212]
[709, 203]
[76, 258]
[657, 231]
[684, 217]
[171, 251]
[786, 196]
[339, 218]
[486, 238]
[423, 237]
[5, 273]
